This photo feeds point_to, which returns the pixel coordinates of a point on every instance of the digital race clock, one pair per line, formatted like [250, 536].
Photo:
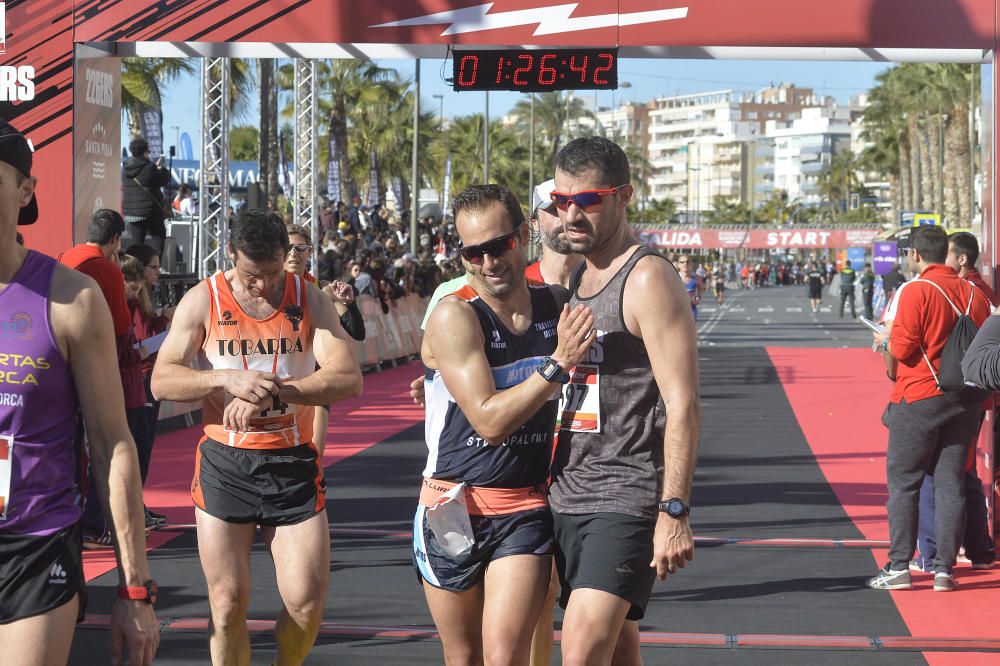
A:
[535, 70]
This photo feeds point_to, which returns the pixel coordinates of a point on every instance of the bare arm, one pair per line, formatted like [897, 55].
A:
[339, 376]
[82, 324]
[656, 308]
[175, 379]
[455, 342]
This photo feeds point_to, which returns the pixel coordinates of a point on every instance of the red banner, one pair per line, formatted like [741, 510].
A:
[788, 23]
[756, 239]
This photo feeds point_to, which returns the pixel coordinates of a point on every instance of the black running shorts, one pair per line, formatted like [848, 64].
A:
[40, 573]
[269, 487]
[521, 533]
[610, 552]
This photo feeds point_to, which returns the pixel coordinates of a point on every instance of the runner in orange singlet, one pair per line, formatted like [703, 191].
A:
[262, 332]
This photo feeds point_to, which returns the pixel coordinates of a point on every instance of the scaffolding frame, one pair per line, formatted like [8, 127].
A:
[306, 189]
[213, 180]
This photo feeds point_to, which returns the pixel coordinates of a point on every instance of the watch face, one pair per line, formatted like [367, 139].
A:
[675, 508]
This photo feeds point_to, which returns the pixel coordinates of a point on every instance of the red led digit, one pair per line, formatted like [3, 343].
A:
[547, 75]
[603, 68]
[524, 69]
[499, 69]
[471, 80]
[582, 68]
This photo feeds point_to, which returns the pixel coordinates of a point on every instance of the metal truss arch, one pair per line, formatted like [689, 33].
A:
[213, 180]
[306, 194]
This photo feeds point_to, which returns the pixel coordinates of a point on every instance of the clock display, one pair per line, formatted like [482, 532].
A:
[535, 70]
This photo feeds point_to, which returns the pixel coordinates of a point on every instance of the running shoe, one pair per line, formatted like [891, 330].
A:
[915, 565]
[982, 566]
[97, 541]
[153, 519]
[944, 582]
[888, 579]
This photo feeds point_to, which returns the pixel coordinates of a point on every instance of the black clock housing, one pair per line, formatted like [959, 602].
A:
[535, 70]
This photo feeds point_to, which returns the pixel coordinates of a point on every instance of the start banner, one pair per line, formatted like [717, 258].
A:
[706, 238]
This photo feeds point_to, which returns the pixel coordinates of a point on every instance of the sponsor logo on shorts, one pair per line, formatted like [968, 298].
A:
[624, 570]
[57, 575]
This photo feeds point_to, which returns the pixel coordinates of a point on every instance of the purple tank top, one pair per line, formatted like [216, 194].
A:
[38, 406]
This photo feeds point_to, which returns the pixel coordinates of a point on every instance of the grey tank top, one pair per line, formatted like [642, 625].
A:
[619, 468]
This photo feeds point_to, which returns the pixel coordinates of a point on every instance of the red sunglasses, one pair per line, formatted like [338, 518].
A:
[585, 199]
[495, 248]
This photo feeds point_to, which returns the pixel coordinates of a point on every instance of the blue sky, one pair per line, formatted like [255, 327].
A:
[648, 79]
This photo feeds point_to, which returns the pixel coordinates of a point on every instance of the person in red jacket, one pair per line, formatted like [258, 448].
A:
[929, 430]
[96, 258]
[141, 266]
[963, 252]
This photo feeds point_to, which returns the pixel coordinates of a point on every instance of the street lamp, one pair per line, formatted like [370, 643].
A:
[440, 99]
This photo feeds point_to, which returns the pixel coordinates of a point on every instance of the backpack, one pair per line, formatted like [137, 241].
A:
[949, 376]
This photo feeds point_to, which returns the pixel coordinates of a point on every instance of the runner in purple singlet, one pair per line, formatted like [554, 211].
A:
[55, 345]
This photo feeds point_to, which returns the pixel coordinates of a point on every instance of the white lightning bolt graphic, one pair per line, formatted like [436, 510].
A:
[550, 20]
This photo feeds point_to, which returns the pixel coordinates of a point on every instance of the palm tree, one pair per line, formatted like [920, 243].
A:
[141, 81]
[837, 181]
[555, 113]
[464, 142]
[345, 85]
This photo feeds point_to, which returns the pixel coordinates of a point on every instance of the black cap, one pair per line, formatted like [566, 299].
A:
[14, 150]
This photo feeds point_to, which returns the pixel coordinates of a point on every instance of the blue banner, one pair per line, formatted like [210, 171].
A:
[333, 172]
[240, 173]
[397, 192]
[152, 122]
[445, 212]
[186, 150]
[856, 255]
[373, 188]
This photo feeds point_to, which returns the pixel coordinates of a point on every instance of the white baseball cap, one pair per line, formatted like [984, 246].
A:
[541, 197]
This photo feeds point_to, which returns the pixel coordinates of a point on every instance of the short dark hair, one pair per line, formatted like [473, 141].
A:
[595, 152]
[138, 146]
[480, 197]
[142, 252]
[257, 233]
[848, 263]
[104, 225]
[931, 242]
[965, 243]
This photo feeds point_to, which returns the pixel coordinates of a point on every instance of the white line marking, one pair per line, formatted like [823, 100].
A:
[767, 309]
[793, 309]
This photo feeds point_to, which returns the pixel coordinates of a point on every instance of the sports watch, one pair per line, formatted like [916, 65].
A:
[675, 507]
[550, 371]
[147, 592]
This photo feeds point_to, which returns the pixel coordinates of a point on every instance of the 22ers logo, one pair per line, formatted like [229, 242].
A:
[17, 84]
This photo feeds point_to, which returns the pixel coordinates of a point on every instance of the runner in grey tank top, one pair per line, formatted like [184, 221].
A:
[610, 458]
[622, 473]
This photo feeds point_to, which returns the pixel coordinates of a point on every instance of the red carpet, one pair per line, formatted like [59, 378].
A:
[838, 396]
[383, 410]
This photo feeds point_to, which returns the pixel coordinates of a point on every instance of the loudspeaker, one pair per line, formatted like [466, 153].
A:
[255, 196]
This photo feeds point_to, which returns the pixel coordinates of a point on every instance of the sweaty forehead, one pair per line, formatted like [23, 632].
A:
[475, 225]
[587, 179]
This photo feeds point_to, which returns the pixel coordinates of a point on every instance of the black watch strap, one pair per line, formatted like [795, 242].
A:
[675, 507]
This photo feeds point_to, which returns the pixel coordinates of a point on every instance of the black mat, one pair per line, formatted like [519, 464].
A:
[756, 478]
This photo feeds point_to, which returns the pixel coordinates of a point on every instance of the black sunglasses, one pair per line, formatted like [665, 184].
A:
[495, 248]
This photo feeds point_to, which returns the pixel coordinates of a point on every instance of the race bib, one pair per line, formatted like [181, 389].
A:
[280, 416]
[6, 471]
[580, 407]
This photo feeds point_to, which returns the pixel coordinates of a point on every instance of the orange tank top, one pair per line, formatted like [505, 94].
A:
[280, 343]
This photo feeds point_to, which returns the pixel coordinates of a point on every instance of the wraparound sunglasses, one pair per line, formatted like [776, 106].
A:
[585, 199]
[496, 247]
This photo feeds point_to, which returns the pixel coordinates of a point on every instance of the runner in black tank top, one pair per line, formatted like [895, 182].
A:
[617, 458]
[496, 356]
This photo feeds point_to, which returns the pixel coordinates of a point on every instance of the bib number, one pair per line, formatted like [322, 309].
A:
[6, 472]
[580, 407]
